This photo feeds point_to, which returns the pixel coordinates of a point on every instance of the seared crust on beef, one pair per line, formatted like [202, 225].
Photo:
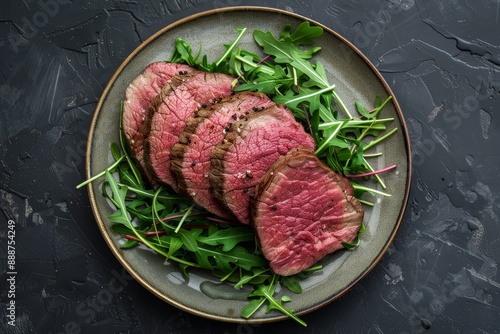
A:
[190, 157]
[250, 146]
[172, 109]
[138, 95]
[302, 211]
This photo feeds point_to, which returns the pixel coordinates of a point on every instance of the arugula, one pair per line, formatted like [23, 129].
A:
[183, 53]
[288, 76]
[266, 293]
[173, 227]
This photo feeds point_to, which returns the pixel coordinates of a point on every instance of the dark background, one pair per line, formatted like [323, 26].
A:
[442, 60]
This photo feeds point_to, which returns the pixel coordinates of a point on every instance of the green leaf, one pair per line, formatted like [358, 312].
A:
[184, 51]
[267, 83]
[119, 217]
[285, 299]
[122, 229]
[229, 238]
[257, 272]
[280, 50]
[184, 267]
[237, 255]
[321, 74]
[129, 244]
[267, 291]
[362, 111]
[225, 270]
[292, 284]
[230, 47]
[175, 244]
[285, 52]
[184, 54]
[253, 306]
[304, 34]
[312, 97]
[354, 244]
[188, 240]
[115, 151]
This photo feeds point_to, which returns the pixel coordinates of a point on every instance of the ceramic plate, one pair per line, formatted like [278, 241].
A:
[356, 79]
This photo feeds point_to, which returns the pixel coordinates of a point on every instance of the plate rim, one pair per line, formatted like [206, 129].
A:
[115, 250]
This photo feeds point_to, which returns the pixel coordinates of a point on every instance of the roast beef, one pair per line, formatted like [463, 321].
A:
[303, 211]
[138, 96]
[250, 146]
[191, 155]
[174, 105]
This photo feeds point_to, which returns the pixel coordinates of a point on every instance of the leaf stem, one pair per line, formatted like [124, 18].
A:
[355, 122]
[309, 96]
[155, 214]
[379, 139]
[365, 202]
[222, 221]
[109, 169]
[186, 214]
[325, 142]
[373, 155]
[370, 190]
[383, 170]
[149, 194]
[181, 216]
[255, 65]
[339, 100]
[231, 47]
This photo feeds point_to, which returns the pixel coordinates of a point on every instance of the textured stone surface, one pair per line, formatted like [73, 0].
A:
[442, 62]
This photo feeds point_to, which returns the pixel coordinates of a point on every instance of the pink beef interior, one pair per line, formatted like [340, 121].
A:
[138, 96]
[303, 212]
[193, 167]
[170, 117]
[255, 146]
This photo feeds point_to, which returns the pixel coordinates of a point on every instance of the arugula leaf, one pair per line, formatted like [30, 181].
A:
[356, 242]
[266, 293]
[175, 244]
[188, 240]
[285, 51]
[306, 95]
[184, 54]
[268, 83]
[292, 284]
[238, 255]
[252, 276]
[304, 34]
[229, 238]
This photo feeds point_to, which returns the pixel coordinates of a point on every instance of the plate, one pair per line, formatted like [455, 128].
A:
[356, 79]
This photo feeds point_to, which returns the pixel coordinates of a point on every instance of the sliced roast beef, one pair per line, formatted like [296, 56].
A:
[178, 103]
[191, 156]
[138, 96]
[251, 145]
[303, 211]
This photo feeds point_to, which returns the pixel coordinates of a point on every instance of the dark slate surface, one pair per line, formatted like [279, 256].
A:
[441, 58]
